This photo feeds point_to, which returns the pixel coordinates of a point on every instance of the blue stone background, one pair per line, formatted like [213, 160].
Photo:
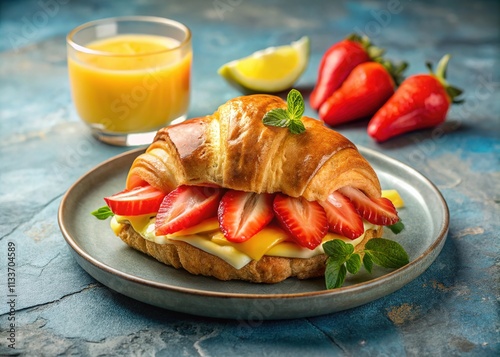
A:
[450, 310]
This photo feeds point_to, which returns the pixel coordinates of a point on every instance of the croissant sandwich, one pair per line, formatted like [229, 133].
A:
[229, 196]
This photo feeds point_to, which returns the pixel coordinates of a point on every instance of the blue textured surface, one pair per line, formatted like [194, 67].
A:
[450, 310]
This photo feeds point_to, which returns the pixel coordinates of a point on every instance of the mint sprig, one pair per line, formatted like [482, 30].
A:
[343, 259]
[291, 117]
[102, 213]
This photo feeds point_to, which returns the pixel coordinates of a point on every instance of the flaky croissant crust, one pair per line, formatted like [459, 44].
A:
[234, 149]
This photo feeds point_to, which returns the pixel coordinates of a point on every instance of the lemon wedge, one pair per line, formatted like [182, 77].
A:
[270, 70]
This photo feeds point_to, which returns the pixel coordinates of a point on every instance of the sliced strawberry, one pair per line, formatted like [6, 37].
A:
[342, 216]
[379, 211]
[186, 206]
[136, 201]
[243, 214]
[304, 220]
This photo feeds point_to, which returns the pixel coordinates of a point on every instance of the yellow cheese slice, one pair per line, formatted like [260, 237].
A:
[207, 225]
[139, 223]
[115, 225]
[292, 250]
[227, 253]
[257, 246]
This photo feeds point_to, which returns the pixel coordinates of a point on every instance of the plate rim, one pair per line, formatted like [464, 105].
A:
[435, 247]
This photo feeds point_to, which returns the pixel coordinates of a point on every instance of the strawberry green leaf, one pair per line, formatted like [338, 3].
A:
[375, 53]
[395, 71]
[454, 92]
[440, 74]
[386, 253]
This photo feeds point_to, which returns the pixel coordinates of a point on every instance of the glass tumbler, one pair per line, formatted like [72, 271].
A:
[130, 76]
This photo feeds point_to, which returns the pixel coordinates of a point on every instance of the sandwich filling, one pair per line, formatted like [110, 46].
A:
[207, 236]
[239, 226]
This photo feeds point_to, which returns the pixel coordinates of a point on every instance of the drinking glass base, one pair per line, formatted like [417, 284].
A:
[125, 139]
[132, 139]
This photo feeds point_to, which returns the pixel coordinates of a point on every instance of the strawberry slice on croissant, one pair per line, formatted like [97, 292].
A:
[253, 185]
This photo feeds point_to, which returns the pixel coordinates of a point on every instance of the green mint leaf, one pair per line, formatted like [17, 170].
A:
[296, 127]
[335, 273]
[295, 104]
[340, 260]
[396, 228]
[338, 250]
[102, 213]
[291, 117]
[277, 117]
[368, 262]
[387, 253]
[353, 264]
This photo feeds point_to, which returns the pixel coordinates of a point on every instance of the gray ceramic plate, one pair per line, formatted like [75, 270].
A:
[110, 261]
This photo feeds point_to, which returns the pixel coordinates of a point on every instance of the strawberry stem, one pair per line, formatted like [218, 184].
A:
[375, 53]
[442, 66]
[440, 74]
[395, 71]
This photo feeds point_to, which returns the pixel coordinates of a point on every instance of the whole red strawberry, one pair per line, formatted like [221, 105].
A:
[422, 101]
[336, 64]
[365, 90]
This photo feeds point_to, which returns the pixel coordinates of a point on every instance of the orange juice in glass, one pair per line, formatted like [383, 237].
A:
[130, 76]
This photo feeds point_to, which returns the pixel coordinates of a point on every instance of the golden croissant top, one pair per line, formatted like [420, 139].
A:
[233, 148]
